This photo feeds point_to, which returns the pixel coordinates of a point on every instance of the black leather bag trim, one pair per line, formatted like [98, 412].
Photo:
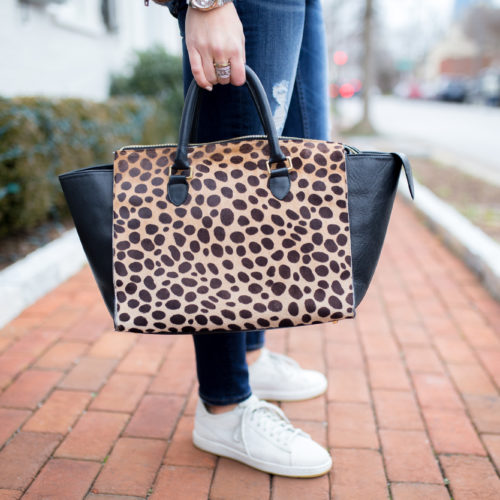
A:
[89, 194]
[372, 180]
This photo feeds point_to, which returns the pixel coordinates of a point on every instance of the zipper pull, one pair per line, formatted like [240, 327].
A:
[146, 3]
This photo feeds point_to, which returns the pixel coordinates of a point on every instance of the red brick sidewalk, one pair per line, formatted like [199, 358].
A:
[412, 409]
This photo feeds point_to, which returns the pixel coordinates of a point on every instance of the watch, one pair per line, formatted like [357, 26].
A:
[206, 4]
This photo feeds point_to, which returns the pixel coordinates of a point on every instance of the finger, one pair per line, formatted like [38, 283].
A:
[220, 57]
[243, 50]
[208, 66]
[198, 70]
[223, 80]
[238, 75]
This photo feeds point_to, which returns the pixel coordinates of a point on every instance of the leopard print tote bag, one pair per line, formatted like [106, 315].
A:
[246, 233]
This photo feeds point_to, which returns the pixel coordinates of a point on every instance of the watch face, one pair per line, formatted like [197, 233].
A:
[203, 4]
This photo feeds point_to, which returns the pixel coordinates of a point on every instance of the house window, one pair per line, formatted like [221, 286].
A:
[109, 15]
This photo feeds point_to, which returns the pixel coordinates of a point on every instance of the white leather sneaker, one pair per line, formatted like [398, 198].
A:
[280, 378]
[258, 434]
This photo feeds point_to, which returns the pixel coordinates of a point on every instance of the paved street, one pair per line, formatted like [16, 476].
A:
[413, 396]
[465, 135]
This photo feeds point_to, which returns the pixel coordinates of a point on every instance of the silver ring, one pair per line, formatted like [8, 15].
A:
[223, 70]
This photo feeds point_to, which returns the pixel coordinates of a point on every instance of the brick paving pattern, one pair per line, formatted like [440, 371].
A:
[412, 409]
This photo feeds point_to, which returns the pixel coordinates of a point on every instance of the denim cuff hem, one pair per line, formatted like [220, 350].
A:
[254, 347]
[225, 401]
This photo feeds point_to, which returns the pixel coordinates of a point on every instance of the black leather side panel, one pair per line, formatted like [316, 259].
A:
[89, 194]
[372, 180]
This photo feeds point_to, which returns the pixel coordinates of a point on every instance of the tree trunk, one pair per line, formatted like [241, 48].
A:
[365, 126]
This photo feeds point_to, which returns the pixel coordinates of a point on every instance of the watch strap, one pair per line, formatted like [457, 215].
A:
[217, 3]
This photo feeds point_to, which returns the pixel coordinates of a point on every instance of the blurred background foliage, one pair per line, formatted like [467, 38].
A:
[41, 138]
[154, 73]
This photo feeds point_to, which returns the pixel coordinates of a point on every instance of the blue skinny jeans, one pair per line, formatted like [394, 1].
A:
[285, 44]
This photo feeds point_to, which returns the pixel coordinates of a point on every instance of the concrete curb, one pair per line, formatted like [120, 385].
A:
[477, 250]
[22, 283]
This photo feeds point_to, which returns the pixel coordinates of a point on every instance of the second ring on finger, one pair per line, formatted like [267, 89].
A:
[222, 70]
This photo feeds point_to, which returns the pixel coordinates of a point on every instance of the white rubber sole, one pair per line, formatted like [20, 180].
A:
[289, 396]
[271, 468]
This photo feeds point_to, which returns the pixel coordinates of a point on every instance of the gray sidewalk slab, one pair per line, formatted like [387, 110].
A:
[22, 283]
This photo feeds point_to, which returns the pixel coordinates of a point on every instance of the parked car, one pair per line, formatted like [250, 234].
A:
[453, 89]
[408, 90]
[430, 89]
[488, 87]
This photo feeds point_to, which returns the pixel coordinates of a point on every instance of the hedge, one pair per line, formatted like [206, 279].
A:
[41, 138]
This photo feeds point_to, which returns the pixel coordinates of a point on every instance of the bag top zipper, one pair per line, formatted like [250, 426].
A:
[350, 149]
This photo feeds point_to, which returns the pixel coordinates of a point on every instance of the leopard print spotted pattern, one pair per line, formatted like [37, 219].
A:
[232, 257]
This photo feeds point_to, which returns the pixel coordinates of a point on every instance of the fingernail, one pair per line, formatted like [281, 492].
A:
[209, 87]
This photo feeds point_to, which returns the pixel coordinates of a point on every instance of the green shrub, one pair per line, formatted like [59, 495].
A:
[155, 73]
[41, 138]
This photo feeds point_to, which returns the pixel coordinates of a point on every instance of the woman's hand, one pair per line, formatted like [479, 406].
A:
[215, 36]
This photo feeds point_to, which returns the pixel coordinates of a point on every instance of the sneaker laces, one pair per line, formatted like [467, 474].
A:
[272, 421]
[286, 363]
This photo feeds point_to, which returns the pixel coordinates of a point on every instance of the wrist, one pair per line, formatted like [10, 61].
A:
[206, 5]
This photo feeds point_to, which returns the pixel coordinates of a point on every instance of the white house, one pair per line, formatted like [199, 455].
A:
[70, 47]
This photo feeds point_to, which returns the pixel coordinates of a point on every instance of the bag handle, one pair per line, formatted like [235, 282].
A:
[279, 179]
